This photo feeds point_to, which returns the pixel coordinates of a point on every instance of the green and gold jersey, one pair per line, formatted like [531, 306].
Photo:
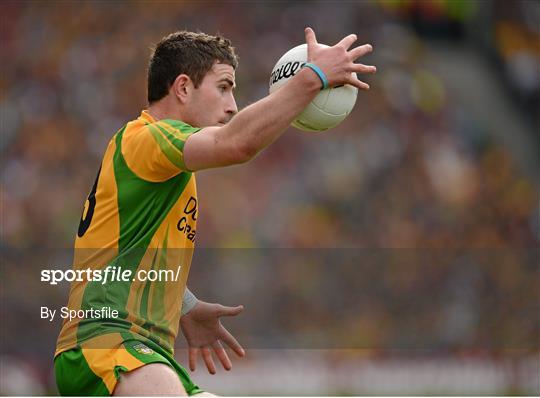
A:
[140, 216]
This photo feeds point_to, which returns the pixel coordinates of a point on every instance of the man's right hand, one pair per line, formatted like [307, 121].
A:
[337, 62]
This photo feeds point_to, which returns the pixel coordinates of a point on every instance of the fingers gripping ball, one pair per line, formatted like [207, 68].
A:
[329, 108]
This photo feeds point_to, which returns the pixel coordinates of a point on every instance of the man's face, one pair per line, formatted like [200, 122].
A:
[212, 103]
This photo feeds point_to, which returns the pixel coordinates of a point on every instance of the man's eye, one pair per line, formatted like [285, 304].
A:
[222, 88]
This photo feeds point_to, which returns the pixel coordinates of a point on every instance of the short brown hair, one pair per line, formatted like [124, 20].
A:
[188, 53]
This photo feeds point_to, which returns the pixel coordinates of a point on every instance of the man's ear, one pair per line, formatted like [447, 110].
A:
[182, 87]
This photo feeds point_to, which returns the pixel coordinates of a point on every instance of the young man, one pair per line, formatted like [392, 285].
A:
[141, 214]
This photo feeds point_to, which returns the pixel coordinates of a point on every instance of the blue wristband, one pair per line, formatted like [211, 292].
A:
[319, 73]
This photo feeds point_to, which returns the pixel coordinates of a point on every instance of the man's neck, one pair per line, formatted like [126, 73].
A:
[162, 109]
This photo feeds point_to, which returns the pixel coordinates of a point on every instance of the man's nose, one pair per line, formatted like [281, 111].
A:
[231, 109]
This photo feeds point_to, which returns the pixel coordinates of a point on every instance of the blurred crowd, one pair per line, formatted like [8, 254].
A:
[411, 167]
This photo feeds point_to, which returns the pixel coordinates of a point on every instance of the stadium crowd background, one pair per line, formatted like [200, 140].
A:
[414, 167]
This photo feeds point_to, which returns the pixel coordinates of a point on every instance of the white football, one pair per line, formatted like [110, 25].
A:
[328, 109]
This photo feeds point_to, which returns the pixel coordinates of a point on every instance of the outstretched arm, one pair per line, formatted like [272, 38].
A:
[261, 123]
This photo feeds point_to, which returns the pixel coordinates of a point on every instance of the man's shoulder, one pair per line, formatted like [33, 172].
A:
[178, 125]
[141, 127]
[153, 149]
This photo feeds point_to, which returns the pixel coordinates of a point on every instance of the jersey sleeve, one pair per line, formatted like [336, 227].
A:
[155, 151]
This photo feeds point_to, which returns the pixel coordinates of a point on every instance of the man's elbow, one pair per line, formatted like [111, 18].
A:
[244, 152]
